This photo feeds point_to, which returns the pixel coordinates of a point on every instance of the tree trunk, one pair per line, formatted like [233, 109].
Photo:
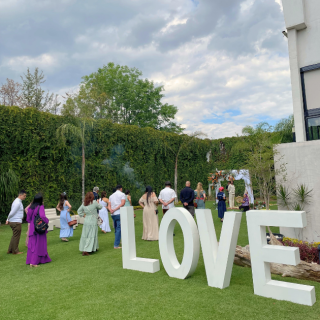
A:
[176, 178]
[83, 171]
[304, 270]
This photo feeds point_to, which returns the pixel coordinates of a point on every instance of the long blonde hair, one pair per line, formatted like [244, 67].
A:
[199, 189]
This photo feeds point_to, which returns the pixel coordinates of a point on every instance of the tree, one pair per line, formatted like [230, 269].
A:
[259, 146]
[185, 141]
[32, 95]
[79, 133]
[53, 105]
[75, 107]
[10, 93]
[8, 185]
[284, 129]
[118, 93]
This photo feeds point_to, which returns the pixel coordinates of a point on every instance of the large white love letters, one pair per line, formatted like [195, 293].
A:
[218, 257]
[262, 254]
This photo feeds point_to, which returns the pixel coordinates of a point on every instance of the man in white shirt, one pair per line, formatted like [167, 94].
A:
[167, 197]
[116, 201]
[232, 193]
[14, 220]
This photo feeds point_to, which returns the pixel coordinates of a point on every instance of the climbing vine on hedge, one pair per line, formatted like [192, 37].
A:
[132, 156]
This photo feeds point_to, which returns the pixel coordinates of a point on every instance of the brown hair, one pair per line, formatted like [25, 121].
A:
[103, 194]
[88, 198]
[63, 198]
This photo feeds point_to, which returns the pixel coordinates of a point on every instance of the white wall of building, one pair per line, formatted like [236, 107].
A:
[309, 38]
[303, 167]
[302, 19]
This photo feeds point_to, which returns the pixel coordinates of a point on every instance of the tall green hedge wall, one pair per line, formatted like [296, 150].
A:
[115, 154]
[136, 157]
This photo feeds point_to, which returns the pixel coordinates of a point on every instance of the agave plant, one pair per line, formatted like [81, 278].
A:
[303, 195]
[296, 199]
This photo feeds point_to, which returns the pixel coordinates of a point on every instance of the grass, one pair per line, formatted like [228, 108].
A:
[96, 287]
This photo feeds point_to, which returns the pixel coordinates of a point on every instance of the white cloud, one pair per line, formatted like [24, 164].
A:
[220, 61]
[21, 63]
[279, 2]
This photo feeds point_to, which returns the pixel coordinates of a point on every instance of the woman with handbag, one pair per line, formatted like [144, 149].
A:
[37, 243]
[200, 197]
[149, 203]
[89, 236]
[66, 223]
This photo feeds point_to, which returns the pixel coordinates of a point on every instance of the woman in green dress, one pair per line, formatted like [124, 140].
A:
[200, 196]
[89, 236]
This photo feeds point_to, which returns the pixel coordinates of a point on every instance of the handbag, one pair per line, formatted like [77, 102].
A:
[99, 221]
[72, 222]
[39, 225]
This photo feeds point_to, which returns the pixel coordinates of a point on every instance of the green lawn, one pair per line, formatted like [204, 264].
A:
[96, 287]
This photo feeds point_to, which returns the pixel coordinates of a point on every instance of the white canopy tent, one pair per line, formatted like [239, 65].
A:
[237, 175]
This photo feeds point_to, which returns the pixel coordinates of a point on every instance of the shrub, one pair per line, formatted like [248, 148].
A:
[308, 250]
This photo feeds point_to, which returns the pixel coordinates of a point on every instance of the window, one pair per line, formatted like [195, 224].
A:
[313, 128]
[312, 86]
[310, 81]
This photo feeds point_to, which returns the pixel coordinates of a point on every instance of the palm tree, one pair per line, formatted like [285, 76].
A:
[8, 185]
[78, 132]
[184, 142]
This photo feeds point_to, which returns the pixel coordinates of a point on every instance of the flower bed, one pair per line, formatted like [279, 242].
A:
[308, 250]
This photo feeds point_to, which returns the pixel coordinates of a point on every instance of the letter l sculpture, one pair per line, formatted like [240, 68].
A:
[129, 255]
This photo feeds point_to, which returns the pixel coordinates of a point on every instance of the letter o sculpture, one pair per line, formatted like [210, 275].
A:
[191, 243]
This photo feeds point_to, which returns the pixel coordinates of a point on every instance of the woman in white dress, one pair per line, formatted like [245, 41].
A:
[103, 213]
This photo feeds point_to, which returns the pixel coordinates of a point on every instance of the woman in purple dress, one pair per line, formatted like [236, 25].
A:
[37, 244]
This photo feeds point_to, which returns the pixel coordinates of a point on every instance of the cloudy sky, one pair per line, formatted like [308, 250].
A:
[223, 63]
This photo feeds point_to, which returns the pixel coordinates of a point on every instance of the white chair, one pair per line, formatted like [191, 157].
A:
[54, 219]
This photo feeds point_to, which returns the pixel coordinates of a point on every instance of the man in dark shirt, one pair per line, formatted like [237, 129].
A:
[186, 198]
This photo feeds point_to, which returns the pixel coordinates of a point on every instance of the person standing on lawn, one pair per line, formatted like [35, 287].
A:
[37, 243]
[128, 200]
[186, 197]
[200, 196]
[167, 197]
[14, 220]
[149, 203]
[89, 236]
[232, 193]
[116, 201]
[222, 208]
[64, 207]
[103, 213]
[96, 193]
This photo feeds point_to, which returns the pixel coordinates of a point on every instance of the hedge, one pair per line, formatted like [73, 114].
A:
[129, 155]
[139, 157]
